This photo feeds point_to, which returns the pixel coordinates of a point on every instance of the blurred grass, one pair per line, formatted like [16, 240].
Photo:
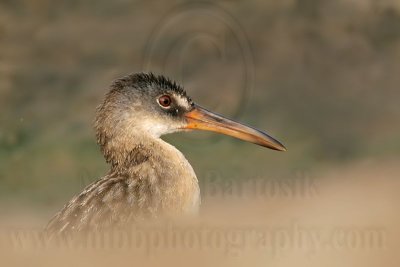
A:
[326, 85]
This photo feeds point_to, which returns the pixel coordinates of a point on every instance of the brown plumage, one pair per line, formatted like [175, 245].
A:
[148, 177]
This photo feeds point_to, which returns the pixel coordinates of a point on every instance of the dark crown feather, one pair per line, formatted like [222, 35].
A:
[143, 80]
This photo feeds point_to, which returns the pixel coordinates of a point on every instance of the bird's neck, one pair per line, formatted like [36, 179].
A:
[160, 169]
[127, 154]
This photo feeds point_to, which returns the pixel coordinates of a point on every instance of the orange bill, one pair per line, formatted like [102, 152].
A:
[202, 119]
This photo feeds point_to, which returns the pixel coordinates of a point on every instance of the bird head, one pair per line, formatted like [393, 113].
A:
[149, 105]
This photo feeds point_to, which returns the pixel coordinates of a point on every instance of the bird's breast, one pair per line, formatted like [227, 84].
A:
[170, 183]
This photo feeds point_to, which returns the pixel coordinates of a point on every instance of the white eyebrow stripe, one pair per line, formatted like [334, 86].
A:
[182, 101]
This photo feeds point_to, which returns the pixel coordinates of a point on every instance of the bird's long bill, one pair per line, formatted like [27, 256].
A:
[202, 119]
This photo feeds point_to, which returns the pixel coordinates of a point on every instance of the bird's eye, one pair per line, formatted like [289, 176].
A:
[164, 101]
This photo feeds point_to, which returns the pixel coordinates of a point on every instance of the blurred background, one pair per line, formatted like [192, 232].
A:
[319, 75]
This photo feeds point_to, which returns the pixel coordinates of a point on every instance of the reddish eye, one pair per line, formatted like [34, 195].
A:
[165, 101]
